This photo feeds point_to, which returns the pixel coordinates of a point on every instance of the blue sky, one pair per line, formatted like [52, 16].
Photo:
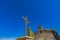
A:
[44, 12]
[7, 38]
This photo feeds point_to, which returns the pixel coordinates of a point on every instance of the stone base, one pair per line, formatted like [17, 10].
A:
[24, 38]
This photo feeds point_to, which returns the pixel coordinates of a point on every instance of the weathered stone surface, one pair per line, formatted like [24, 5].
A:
[43, 34]
[24, 38]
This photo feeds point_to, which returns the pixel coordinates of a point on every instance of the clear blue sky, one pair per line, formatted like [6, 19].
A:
[44, 12]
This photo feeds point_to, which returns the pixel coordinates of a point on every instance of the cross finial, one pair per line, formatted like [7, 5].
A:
[26, 22]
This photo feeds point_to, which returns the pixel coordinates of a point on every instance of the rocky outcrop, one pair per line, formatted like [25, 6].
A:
[56, 35]
[44, 34]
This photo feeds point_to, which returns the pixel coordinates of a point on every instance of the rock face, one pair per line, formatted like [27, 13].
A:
[43, 34]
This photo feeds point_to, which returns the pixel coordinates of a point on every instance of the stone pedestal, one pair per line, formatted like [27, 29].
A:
[25, 38]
